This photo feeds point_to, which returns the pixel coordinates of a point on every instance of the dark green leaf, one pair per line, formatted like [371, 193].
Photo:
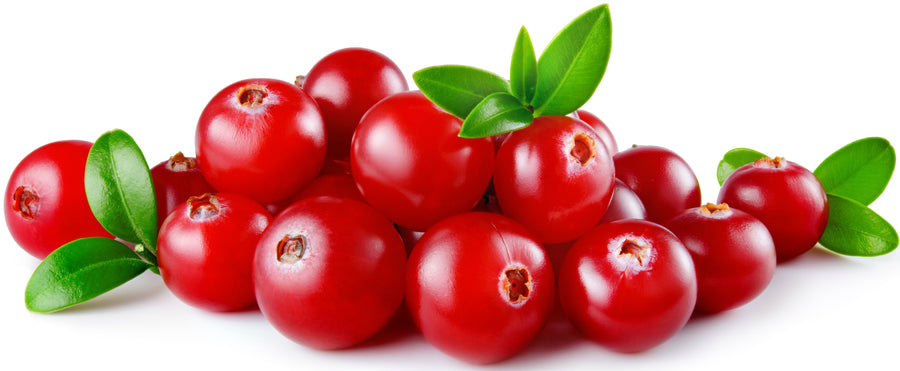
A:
[458, 89]
[734, 159]
[859, 171]
[498, 113]
[854, 229]
[79, 271]
[523, 69]
[120, 190]
[572, 65]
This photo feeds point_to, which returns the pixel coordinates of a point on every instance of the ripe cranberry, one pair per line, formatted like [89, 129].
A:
[628, 285]
[45, 204]
[411, 165]
[479, 287]
[206, 248]
[606, 136]
[625, 204]
[341, 186]
[261, 138]
[733, 254]
[786, 197]
[662, 179]
[345, 84]
[554, 177]
[329, 272]
[174, 181]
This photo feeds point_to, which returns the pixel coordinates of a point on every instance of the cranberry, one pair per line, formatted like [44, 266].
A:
[411, 165]
[206, 248]
[479, 287]
[606, 136]
[174, 181]
[662, 179]
[628, 285]
[554, 177]
[45, 203]
[345, 84]
[329, 272]
[625, 204]
[733, 254]
[261, 138]
[786, 197]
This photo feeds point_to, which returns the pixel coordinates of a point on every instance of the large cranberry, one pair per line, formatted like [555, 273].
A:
[555, 177]
[662, 179]
[786, 197]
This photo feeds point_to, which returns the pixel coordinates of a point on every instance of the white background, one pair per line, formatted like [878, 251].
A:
[789, 78]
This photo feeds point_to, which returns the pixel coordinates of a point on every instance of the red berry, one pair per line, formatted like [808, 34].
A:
[662, 179]
[733, 254]
[625, 204]
[606, 136]
[479, 287]
[786, 197]
[206, 248]
[261, 138]
[554, 177]
[45, 203]
[345, 84]
[329, 272]
[174, 181]
[411, 165]
[628, 285]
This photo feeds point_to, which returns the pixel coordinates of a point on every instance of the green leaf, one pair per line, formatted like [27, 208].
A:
[854, 229]
[572, 65]
[523, 69]
[734, 159]
[79, 271]
[120, 190]
[496, 114]
[458, 89]
[859, 171]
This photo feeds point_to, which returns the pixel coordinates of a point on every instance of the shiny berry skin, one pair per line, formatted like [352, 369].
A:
[341, 186]
[733, 254]
[628, 285]
[174, 181]
[554, 177]
[45, 203]
[786, 197]
[606, 136]
[206, 248]
[411, 165]
[345, 84]
[479, 287]
[329, 272]
[662, 179]
[625, 204]
[262, 138]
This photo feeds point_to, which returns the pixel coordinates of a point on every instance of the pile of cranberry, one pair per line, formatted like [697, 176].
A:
[334, 202]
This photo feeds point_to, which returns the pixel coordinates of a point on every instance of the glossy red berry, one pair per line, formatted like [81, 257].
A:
[606, 136]
[628, 285]
[262, 138]
[479, 287]
[45, 203]
[174, 181]
[664, 182]
[733, 254]
[554, 177]
[786, 197]
[329, 272]
[206, 248]
[625, 204]
[411, 165]
[345, 84]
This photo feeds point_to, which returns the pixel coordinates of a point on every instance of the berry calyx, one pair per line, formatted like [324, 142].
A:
[634, 251]
[26, 202]
[582, 148]
[291, 248]
[252, 96]
[517, 284]
[203, 207]
[179, 162]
